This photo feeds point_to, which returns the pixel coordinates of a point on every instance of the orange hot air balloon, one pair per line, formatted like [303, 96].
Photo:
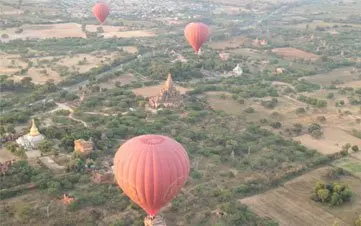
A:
[101, 11]
[196, 34]
[151, 170]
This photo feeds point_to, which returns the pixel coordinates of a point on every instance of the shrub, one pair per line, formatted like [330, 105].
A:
[249, 110]
[355, 148]
[300, 111]
[276, 125]
[335, 193]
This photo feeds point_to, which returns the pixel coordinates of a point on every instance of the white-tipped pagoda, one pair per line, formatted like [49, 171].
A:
[31, 140]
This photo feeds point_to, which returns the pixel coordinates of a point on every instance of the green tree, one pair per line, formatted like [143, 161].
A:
[45, 146]
[346, 194]
[330, 96]
[323, 194]
[54, 187]
[320, 185]
[355, 148]
[358, 221]
[300, 111]
[316, 134]
[336, 199]
[2, 130]
[12, 146]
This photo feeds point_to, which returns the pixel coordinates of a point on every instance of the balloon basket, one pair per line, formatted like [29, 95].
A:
[154, 221]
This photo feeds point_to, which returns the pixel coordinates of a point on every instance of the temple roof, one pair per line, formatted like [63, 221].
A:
[169, 83]
[33, 130]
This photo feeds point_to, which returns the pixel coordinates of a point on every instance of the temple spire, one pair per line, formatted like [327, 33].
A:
[169, 83]
[33, 130]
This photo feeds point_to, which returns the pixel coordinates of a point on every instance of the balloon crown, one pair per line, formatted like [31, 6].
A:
[153, 140]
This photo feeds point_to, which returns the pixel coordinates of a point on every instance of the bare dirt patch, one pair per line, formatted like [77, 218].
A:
[123, 79]
[6, 155]
[40, 76]
[130, 49]
[10, 64]
[334, 139]
[344, 74]
[233, 42]
[129, 34]
[291, 204]
[226, 104]
[106, 28]
[119, 31]
[51, 164]
[85, 62]
[8, 10]
[293, 53]
[353, 84]
[43, 31]
[154, 90]
[254, 53]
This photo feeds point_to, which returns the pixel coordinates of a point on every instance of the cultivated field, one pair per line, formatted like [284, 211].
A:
[10, 64]
[43, 31]
[254, 53]
[106, 28]
[293, 53]
[154, 90]
[344, 74]
[39, 76]
[334, 139]
[68, 30]
[85, 62]
[123, 79]
[56, 68]
[233, 42]
[129, 34]
[350, 164]
[291, 204]
[353, 84]
[119, 31]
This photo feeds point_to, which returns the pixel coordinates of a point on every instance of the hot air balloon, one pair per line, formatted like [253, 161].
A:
[151, 170]
[101, 11]
[196, 34]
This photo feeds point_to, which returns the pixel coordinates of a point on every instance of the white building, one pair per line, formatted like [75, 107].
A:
[238, 70]
[31, 140]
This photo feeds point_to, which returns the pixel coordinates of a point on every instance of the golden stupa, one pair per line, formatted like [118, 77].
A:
[31, 140]
[33, 130]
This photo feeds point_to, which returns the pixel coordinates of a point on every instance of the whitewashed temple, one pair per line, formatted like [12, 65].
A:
[31, 140]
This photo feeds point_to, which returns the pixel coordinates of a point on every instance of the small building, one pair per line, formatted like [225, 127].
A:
[67, 199]
[103, 177]
[31, 140]
[168, 96]
[83, 147]
[4, 167]
[238, 71]
[279, 70]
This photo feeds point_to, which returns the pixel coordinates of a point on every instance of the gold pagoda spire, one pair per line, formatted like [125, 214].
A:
[33, 130]
[169, 83]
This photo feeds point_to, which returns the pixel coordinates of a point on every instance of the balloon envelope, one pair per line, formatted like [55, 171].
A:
[101, 11]
[196, 34]
[151, 170]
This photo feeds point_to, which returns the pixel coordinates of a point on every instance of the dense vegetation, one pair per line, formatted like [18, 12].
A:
[334, 193]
